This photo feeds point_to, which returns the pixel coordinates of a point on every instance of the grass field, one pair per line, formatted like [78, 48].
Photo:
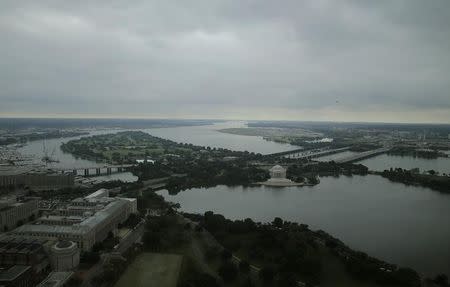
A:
[152, 269]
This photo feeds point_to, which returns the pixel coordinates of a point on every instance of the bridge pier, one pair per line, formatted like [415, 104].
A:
[97, 171]
[108, 170]
[86, 172]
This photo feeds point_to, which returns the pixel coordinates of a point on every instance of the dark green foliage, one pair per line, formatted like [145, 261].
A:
[267, 274]
[228, 271]
[204, 173]
[286, 279]
[244, 266]
[164, 232]
[366, 268]
[296, 171]
[226, 254]
[441, 280]
[89, 257]
[200, 280]
[277, 222]
[439, 183]
[414, 152]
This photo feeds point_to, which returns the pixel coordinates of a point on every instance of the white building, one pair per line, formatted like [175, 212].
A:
[277, 172]
[84, 221]
[103, 192]
[278, 178]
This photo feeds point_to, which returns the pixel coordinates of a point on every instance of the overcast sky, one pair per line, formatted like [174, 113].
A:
[282, 60]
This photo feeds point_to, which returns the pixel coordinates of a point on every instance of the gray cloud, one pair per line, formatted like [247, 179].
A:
[307, 60]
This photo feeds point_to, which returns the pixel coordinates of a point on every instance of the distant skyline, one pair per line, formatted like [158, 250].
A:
[349, 61]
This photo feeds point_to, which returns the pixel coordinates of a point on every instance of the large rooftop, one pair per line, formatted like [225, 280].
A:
[56, 279]
[11, 273]
[83, 227]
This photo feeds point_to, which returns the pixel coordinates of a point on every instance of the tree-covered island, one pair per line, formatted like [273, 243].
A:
[283, 253]
[188, 165]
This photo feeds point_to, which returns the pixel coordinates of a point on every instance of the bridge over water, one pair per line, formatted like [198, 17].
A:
[310, 154]
[96, 170]
[301, 153]
[363, 155]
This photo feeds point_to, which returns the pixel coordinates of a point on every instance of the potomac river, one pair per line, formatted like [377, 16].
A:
[405, 225]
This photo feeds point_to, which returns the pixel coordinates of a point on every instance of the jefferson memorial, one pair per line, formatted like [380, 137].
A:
[278, 178]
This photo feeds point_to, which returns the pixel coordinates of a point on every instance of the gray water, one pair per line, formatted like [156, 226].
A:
[198, 135]
[401, 224]
[384, 161]
[35, 150]
[209, 136]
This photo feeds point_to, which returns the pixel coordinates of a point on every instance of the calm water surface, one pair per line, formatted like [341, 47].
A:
[401, 224]
[210, 136]
[35, 150]
[198, 135]
[397, 223]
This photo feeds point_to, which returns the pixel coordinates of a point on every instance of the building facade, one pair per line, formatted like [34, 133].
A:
[84, 221]
[65, 256]
[17, 213]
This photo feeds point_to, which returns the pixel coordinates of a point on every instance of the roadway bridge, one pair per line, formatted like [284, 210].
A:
[96, 170]
[300, 154]
[363, 155]
[282, 153]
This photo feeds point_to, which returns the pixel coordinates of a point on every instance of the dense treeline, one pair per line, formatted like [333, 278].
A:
[204, 173]
[421, 153]
[439, 183]
[364, 267]
[282, 249]
[309, 170]
[291, 252]
[126, 147]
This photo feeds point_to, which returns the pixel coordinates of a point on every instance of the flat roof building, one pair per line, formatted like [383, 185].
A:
[16, 276]
[16, 213]
[84, 221]
[56, 279]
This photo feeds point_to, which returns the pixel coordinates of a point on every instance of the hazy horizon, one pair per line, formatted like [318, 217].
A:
[346, 61]
[220, 120]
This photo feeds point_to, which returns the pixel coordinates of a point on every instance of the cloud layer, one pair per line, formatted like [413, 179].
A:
[253, 59]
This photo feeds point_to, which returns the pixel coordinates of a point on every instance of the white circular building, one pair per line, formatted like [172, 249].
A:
[278, 178]
[65, 256]
[277, 172]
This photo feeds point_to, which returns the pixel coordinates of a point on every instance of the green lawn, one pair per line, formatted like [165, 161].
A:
[152, 269]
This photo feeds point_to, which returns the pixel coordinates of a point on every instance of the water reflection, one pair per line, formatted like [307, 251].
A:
[402, 224]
